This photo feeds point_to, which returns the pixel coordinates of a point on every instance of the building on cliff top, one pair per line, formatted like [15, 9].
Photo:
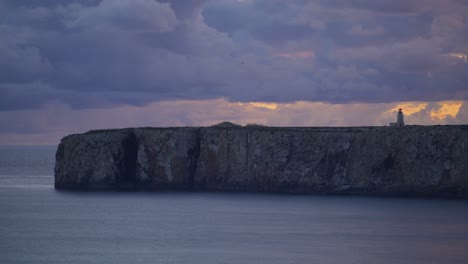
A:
[400, 119]
[226, 124]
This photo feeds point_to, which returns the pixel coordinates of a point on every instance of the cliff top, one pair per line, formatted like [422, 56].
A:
[314, 129]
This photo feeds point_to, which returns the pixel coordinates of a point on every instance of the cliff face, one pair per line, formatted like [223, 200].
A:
[380, 160]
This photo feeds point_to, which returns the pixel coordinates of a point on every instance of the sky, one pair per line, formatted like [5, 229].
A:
[72, 66]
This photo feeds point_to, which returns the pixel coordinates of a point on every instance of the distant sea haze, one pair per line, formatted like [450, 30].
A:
[41, 225]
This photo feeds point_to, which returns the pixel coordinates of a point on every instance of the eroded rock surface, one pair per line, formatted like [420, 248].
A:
[412, 160]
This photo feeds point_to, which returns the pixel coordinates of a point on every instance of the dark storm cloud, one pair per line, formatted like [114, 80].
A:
[95, 54]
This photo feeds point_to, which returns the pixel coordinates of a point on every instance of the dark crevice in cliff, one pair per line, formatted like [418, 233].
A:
[193, 154]
[384, 166]
[129, 160]
[389, 162]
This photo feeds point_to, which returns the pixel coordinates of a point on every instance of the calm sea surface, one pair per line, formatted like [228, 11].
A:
[41, 225]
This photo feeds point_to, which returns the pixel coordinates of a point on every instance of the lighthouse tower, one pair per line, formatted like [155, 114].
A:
[400, 119]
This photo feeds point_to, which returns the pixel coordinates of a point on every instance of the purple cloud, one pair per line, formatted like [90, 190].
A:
[100, 54]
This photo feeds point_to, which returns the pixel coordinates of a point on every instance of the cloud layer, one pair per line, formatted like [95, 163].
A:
[103, 53]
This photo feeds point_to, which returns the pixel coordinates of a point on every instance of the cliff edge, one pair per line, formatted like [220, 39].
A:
[412, 160]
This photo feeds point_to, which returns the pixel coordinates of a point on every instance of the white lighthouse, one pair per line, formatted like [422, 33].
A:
[400, 119]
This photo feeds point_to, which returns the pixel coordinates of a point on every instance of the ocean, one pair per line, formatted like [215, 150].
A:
[41, 225]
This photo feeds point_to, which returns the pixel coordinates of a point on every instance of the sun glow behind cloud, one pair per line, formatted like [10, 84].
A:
[270, 106]
[460, 56]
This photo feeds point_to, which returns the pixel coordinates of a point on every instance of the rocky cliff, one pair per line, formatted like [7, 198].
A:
[413, 160]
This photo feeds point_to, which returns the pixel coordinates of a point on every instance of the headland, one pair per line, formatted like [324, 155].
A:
[396, 161]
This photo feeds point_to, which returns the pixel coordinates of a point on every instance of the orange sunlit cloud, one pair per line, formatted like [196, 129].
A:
[447, 109]
[410, 107]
